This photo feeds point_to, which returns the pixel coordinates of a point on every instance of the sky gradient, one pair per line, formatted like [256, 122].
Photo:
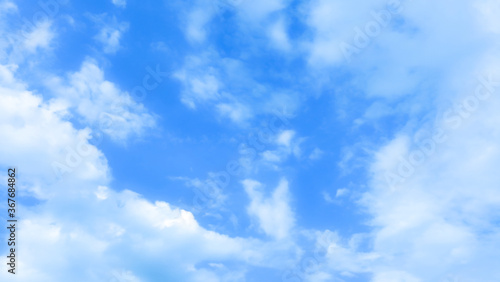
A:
[264, 140]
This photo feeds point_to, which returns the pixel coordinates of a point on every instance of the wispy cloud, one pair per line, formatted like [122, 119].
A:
[272, 212]
[101, 104]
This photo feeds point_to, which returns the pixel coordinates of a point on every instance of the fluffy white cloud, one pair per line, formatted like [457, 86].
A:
[6, 6]
[442, 207]
[432, 197]
[272, 212]
[373, 41]
[59, 166]
[101, 104]
[433, 210]
[37, 137]
[333, 23]
[112, 226]
[169, 241]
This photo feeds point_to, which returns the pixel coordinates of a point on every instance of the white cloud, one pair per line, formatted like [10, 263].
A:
[40, 37]
[201, 83]
[338, 194]
[338, 258]
[235, 111]
[285, 138]
[18, 42]
[273, 213]
[332, 23]
[102, 192]
[36, 137]
[269, 147]
[7, 6]
[272, 156]
[226, 85]
[440, 222]
[131, 227]
[196, 24]
[381, 64]
[285, 145]
[341, 192]
[111, 226]
[101, 104]
[120, 3]
[256, 16]
[110, 33]
[209, 192]
[279, 36]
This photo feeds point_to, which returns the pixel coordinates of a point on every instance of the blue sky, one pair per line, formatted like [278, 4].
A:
[265, 140]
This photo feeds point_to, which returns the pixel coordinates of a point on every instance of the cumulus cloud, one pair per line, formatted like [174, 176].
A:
[101, 104]
[97, 247]
[36, 128]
